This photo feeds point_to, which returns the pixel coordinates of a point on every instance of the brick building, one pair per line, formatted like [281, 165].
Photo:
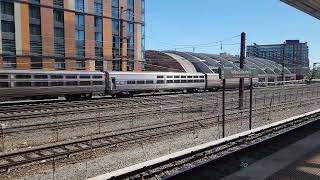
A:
[72, 35]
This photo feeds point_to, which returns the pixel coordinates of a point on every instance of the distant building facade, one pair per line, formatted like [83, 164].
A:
[72, 35]
[295, 53]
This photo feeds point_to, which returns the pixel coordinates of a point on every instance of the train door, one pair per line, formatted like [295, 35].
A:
[113, 83]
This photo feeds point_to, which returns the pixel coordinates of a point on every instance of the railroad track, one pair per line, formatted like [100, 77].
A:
[182, 164]
[124, 106]
[47, 106]
[128, 116]
[141, 103]
[46, 152]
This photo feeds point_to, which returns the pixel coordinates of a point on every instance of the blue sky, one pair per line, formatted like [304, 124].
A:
[179, 24]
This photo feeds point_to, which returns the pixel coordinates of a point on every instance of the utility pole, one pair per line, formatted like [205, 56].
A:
[242, 57]
[282, 61]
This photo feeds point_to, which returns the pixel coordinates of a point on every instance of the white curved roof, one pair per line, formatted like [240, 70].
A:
[186, 65]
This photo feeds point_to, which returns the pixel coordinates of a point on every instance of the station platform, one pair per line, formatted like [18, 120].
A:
[300, 160]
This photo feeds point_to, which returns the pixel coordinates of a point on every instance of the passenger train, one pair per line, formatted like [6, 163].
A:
[81, 85]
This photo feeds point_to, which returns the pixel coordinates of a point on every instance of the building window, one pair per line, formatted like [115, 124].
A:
[59, 49]
[80, 50]
[34, 1]
[8, 46]
[79, 35]
[9, 62]
[80, 65]
[98, 22]
[34, 12]
[7, 8]
[36, 63]
[131, 10]
[98, 37]
[79, 21]
[116, 46]
[58, 32]
[59, 64]
[115, 9]
[58, 3]
[79, 5]
[7, 26]
[99, 65]
[35, 48]
[35, 29]
[98, 7]
[58, 16]
[115, 27]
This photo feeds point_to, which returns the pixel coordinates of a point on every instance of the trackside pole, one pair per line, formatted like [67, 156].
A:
[242, 58]
[223, 107]
[250, 116]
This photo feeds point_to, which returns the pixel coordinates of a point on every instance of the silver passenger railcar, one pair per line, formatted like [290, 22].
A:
[129, 83]
[30, 83]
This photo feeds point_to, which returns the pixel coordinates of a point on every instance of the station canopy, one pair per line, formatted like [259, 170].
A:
[311, 7]
[210, 63]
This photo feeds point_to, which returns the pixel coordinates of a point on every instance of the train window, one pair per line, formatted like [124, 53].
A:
[140, 82]
[97, 83]
[177, 77]
[196, 81]
[56, 76]
[131, 82]
[41, 76]
[190, 81]
[149, 82]
[177, 81]
[183, 77]
[23, 84]
[202, 80]
[85, 83]
[23, 76]
[189, 76]
[170, 81]
[160, 77]
[183, 81]
[4, 84]
[120, 83]
[4, 76]
[85, 77]
[97, 77]
[71, 77]
[201, 76]
[160, 81]
[71, 83]
[56, 83]
[169, 76]
[195, 76]
[41, 84]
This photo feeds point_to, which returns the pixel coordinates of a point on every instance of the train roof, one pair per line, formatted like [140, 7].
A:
[48, 72]
[153, 73]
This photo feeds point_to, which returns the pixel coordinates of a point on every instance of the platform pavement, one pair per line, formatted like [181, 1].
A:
[300, 160]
